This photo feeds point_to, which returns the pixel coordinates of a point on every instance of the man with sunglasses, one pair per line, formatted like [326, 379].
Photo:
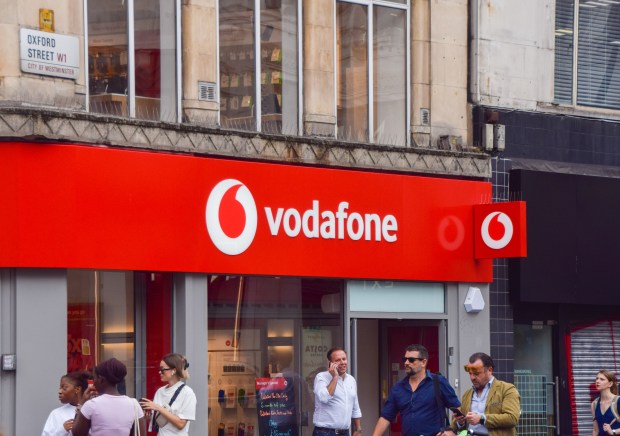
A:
[490, 406]
[415, 399]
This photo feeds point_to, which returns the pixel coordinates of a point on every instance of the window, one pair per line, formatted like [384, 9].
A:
[588, 74]
[268, 330]
[372, 100]
[121, 314]
[259, 65]
[132, 67]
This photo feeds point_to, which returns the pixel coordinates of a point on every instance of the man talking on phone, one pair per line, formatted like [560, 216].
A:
[335, 392]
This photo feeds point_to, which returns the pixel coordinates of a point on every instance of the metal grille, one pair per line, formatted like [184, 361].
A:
[593, 348]
[206, 91]
[533, 390]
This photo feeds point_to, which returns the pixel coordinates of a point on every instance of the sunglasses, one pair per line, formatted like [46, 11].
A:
[474, 370]
[412, 359]
[162, 369]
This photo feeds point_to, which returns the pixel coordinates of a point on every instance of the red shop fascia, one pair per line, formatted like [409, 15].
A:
[77, 206]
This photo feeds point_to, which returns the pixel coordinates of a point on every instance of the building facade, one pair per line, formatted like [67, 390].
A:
[247, 182]
[544, 97]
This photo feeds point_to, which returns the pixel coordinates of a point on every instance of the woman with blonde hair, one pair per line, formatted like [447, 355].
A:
[605, 407]
[174, 404]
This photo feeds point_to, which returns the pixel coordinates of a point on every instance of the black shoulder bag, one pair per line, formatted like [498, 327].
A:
[158, 419]
[444, 423]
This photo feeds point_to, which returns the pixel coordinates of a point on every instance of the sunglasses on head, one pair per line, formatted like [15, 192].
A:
[412, 359]
[474, 370]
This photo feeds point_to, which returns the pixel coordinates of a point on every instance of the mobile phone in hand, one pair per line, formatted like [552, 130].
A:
[456, 411]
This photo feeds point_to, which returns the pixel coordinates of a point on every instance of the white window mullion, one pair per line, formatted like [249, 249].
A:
[371, 99]
[131, 67]
[336, 65]
[300, 70]
[86, 55]
[408, 75]
[179, 61]
[575, 51]
[257, 66]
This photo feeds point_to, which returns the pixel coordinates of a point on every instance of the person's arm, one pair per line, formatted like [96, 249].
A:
[323, 388]
[164, 411]
[357, 426]
[506, 412]
[381, 426]
[81, 426]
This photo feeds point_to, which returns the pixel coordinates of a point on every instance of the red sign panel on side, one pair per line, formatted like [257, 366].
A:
[71, 206]
[500, 230]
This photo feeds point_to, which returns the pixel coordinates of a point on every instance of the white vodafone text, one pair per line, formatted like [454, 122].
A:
[327, 224]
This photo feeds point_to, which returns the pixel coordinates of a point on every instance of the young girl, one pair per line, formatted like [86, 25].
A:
[173, 371]
[605, 422]
[60, 420]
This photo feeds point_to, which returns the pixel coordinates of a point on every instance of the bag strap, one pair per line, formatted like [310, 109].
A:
[614, 408]
[443, 416]
[176, 394]
[154, 425]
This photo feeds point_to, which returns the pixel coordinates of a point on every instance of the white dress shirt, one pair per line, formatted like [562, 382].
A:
[335, 411]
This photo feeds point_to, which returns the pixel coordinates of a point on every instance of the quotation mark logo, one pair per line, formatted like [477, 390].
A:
[491, 220]
[231, 217]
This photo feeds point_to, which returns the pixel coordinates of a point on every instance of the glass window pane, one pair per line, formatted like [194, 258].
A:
[155, 59]
[352, 56]
[237, 72]
[279, 66]
[390, 72]
[398, 297]
[274, 329]
[564, 24]
[107, 57]
[598, 63]
[100, 321]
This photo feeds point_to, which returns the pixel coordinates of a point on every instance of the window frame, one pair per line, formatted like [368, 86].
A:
[131, 92]
[574, 32]
[406, 6]
[257, 65]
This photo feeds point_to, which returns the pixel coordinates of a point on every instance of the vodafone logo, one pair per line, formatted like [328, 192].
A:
[232, 220]
[492, 220]
[231, 217]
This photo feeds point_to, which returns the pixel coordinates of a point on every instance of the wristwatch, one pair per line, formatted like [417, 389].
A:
[483, 419]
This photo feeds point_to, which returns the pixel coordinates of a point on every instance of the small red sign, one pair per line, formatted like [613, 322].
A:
[500, 230]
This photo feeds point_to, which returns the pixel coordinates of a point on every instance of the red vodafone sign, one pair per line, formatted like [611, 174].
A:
[500, 230]
[72, 206]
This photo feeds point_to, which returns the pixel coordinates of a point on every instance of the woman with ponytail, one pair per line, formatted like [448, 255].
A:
[174, 404]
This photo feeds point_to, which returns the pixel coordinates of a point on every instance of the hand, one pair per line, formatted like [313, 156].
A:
[68, 425]
[148, 405]
[89, 393]
[472, 418]
[333, 369]
[460, 420]
[447, 432]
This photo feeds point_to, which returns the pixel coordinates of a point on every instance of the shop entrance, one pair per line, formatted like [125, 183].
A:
[377, 348]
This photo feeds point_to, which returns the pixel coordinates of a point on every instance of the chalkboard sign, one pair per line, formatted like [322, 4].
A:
[275, 405]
